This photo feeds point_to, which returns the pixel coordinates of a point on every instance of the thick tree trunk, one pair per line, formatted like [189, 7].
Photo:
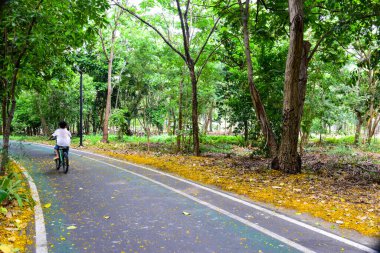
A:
[180, 116]
[289, 160]
[256, 100]
[359, 124]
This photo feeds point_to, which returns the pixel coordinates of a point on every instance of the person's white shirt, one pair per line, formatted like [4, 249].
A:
[63, 137]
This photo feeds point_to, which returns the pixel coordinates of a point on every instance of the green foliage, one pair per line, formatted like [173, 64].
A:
[147, 74]
[10, 187]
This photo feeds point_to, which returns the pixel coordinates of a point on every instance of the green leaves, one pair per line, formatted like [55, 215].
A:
[10, 189]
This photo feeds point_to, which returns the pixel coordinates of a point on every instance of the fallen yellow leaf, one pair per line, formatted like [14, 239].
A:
[5, 248]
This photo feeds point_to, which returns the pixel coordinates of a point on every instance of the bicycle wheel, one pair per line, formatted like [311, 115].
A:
[65, 162]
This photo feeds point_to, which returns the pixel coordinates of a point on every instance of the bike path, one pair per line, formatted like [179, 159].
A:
[118, 207]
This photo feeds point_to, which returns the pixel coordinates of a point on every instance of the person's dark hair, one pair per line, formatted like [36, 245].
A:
[62, 124]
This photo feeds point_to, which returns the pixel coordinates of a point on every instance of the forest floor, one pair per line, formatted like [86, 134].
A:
[15, 220]
[338, 183]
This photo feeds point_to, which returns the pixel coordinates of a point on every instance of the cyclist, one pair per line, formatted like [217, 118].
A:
[63, 137]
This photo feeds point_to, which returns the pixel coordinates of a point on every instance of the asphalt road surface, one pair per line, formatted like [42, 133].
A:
[119, 207]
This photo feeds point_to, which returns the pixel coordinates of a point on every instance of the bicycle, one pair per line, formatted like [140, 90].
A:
[63, 159]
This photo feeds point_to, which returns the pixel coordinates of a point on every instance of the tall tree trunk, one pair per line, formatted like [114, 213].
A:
[256, 100]
[194, 115]
[109, 78]
[359, 124]
[180, 116]
[289, 160]
[108, 103]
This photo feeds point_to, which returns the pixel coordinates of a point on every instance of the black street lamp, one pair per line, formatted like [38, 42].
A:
[81, 109]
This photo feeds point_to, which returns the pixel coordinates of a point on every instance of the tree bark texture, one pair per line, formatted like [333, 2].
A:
[303, 76]
[289, 160]
[256, 100]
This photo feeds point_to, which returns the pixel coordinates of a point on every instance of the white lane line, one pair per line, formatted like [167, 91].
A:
[233, 216]
[41, 241]
[262, 209]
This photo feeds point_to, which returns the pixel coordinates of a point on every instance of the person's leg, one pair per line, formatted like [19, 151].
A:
[56, 152]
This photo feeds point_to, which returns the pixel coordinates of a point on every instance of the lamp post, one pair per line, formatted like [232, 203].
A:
[81, 110]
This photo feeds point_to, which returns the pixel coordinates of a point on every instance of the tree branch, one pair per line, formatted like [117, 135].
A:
[154, 28]
[208, 38]
[209, 35]
[312, 52]
[184, 33]
[186, 22]
[103, 46]
[207, 59]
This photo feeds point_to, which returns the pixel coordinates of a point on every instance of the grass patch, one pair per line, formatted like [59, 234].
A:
[341, 150]
[159, 143]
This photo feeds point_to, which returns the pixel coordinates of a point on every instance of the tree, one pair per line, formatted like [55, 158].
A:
[110, 57]
[186, 54]
[31, 31]
[288, 158]
[256, 100]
